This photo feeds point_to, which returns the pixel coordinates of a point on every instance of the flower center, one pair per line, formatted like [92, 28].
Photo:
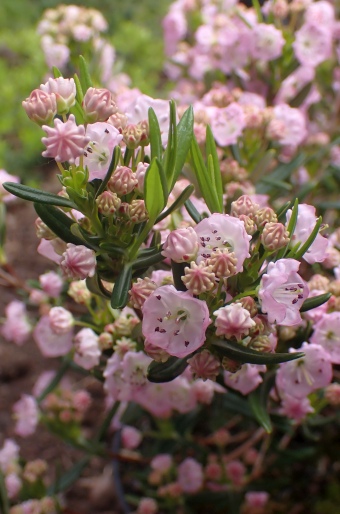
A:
[289, 293]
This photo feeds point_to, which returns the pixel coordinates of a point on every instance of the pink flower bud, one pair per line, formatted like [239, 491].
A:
[61, 320]
[248, 303]
[249, 224]
[40, 107]
[140, 291]
[274, 236]
[108, 203]
[198, 278]
[162, 462]
[190, 475]
[157, 354]
[138, 211]
[131, 437]
[332, 394]
[65, 141]
[256, 499]
[42, 231]
[181, 245]
[123, 181]
[98, 105]
[119, 121]
[79, 292]
[51, 283]
[26, 413]
[233, 321]
[236, 472]
[78, 262]
[204, 365]
[243, 205]
[132, 135]
[87, 349]
[223, 263]
[140, 175]
[264, 216]
[64, 90]
[147, 506]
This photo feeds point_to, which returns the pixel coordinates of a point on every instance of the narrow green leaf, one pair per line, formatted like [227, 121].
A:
[59, 223]
[113, 165]
[68, 478]
[4, 502]
[182, 198]
[80, 93]
[155, 189]
[94, 284]
[282, 173]
[217, 178]
[206, 187]
[315, 301]
[235, 150]
[159, 372]
[84, 76]
[146, 262]
[36, 195]
[239, 353]
[121, 288]
[262, 166]
[155, 135]
[258, 402]
[304, 248]
[211, 174]
[192, 211]
[169, 158]
[56, 72]
[185, 131]
[301, 96]
[78, 112]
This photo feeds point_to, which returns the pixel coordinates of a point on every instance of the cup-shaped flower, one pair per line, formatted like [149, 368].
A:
[221, 231]
[103, 137]
[181, 245]
[78, 262]
[282, 292]
[65, 141]
[40, 107]
[175, 321]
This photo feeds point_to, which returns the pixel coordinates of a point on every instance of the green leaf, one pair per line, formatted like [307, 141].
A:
[80, 93]
[56, 72]
[159, 372]
[85, 78]
[280, 174]
[59, 223]
[155, 135]
[242, 354]
[4, 502]
[113, 165]
[316, 301]
[258, 402]
[214, 168]
[94, 284]
[68, 478]
[155, 189]
[182, 198]
[300, 252]
[36, 195]
[169, 158]
[192, 211]
[121, 288]
[185, 131]
[301, 96]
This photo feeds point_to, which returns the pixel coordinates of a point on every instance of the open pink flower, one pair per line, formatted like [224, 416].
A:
[50, 343]
[227, 123]
[326, 333]
[190, 475]
[26, 413]
[102, 138]
[282, 292]
[175, 321]
[221, 231]
[16, 327]
[87, 349]
[246, 379]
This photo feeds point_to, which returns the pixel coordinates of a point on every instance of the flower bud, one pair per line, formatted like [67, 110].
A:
[249, 224]
[140, 291]
[64, 90]
[78, 262]
[61, 320]
[43, 231]
[40, 107]
[123, 181]
[108, 203]
[274, 236]
[243, 205]
[261, 344]
[231, 365]
[98, 105]
[265, 215]
[248, 303]
[140, 175]
[132, 135]
[199, 278]
[119, 121]
[223, 263]
[157, 354]
[144, 127]
[105, 341]
[181, 245]
[204, 365]
[138, 211]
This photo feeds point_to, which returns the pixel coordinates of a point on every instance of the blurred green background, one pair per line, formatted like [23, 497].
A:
[134, 30]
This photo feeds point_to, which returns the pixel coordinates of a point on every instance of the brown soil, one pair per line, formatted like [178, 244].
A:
[19, 369]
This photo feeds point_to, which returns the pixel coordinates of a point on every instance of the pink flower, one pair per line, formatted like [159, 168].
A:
[66, 141]
[131, 437]
[256, 499]
[227, 123]
[181, 245]
[221, 231]
[293, 123]
[282, 292]
[98, 105]
[51, 283]
[174, 27]
[26, 413]
[78, 262]
[5, 196]
[305, 224]
[233, 321]
[326, 333]
[13, 484]
[9, 455]
[64, 91]
[300, 377]
[246, 379]
[190, 475]
[162, 462]
[295, 408]
[87, 349]
[236, 471]
[138, 111]
[267, 42]
[50, 343]
[102, 138]
[16, 327]
[313, 44]
[175, 321]
[147, 506]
